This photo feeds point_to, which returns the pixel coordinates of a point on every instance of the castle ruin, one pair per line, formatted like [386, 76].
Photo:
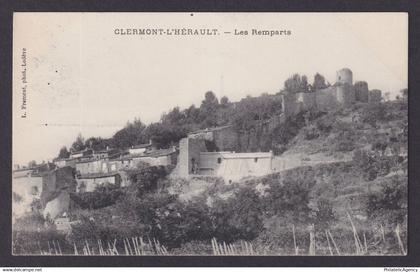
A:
[342, 94]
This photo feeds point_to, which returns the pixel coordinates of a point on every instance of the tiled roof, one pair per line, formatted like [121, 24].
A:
[112, 150]
[210, 129]
[97, 175]
[153, 153]
[141, 146]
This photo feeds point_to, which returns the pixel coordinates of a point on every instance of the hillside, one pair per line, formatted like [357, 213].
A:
[342, 171]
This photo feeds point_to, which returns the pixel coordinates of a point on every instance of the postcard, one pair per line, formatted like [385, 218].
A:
[229, 134]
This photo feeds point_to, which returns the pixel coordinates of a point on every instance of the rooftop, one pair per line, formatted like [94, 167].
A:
[153, 153]
[97, 175]
[209, 129]
[141, 146]
[234, 155]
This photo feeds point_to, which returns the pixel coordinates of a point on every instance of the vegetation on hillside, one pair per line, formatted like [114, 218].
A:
[359, 204]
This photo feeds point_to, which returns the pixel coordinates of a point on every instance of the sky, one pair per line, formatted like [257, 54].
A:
[83, 78]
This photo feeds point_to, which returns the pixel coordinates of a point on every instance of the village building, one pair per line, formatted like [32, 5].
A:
[89, 182]
[108, 153]
[234, 166]
[81, 153]
[27, 183]
[195, 159]
[91, 166]
[141, 149]
[59, 162]
[26, 188]
[159, 157]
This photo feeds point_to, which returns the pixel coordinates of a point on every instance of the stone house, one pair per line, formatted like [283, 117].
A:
[89, 182]
[141, 148]
[195, 159]
[82, 153]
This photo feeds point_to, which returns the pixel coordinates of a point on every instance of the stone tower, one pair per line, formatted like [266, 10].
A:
[344, 76]
[361, 91]
[344, 87]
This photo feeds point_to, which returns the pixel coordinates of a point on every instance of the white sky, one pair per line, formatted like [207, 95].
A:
[83, 78]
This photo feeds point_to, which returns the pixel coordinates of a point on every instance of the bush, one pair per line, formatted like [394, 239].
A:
[32, 232]
[146, 180]
[311, 132]
[372, 164]
[103, 196]
[288, 196]
[389, 204]
[325, 123]
[239, 217]
[324, 215]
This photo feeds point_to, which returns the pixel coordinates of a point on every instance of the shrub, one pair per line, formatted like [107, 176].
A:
[325, 123]
[311, 132]
[324, 214]
[372, 164]
[31, 230]
[289, 194]
[146, 180]
[389, 204]
[104, 195]
[239, 217]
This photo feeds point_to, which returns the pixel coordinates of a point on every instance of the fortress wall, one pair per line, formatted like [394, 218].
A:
[226, 139]
[234, 166]
[375, 96]
[361, 91]
[326, 98]
[307, 100]
[289, 104]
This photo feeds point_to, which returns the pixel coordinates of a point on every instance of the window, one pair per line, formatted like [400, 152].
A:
[255, 159]
[219, 160]
[34, 190]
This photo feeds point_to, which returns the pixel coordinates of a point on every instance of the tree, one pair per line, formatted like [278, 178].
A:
[103, 196]
[79, 144]
[131, 134]
[174, 117]
[296, 83]
[147, 179]
[32, 164]
[239, 217]
[224, 101]
[64, 153]
[252, 109]
[165, 135]
[319, 82]
[193, 115]
[208, 110]
[97, 143]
